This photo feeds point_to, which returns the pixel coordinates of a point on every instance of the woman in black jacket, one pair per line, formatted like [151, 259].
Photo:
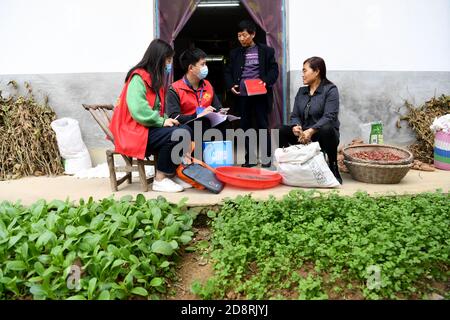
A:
[315, 113]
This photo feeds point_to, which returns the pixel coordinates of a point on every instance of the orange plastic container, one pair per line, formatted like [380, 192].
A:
[249, 178]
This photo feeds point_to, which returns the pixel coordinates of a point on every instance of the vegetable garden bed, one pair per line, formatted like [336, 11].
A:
[307, 246]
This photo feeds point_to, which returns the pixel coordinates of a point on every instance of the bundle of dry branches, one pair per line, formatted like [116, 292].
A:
[28, 143]
[420, 120]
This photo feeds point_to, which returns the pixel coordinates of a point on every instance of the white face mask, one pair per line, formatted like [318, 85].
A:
[203, 72]
[168, 68]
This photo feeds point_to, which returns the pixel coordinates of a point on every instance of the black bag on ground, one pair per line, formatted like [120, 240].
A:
[203, 176]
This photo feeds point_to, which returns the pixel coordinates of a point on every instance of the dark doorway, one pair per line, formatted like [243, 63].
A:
[214, 30]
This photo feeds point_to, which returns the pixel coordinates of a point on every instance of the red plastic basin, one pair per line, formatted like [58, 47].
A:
[249, 178]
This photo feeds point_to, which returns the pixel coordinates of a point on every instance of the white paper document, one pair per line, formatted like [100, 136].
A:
[216, 118]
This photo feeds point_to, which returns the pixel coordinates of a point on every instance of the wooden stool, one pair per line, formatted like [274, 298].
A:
[102, 114]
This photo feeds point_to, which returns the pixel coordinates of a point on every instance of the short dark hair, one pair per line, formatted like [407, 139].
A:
[191, 56]
[247, 25]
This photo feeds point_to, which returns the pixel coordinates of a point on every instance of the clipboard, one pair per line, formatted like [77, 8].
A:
[216, 118]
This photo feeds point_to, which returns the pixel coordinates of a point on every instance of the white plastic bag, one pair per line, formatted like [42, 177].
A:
[304, 166]
[71, 145]
[441, 123]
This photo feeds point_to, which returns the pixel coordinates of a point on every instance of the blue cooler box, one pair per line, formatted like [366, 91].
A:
[218, 153]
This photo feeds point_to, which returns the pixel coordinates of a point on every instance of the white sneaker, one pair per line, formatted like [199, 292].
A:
[182, 183]
[166, 185]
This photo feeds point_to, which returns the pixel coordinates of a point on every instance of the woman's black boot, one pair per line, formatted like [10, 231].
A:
[335, 169]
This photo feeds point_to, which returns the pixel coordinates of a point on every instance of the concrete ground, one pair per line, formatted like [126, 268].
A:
[31, 189]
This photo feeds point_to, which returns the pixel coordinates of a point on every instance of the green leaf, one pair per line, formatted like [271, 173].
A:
[125, 253]
[185, 239]
[77, 297]
[156, 214]
[90, 241]
[174, 244]
[133, 259]
[51, 220]
[44, 259]
[49, 271]
[16, 265]
[104, 295]
[139, 234]
[14, 239]
[81, 230]
[57, 204]
[119, 218]
[132, 223]
[39, 268]
[165, 264]
[24, 251]
[156, 282]
[91, 288]
[96, 221]
[140, 199]
[45, 238]
[169, 220]
[113, 228]
[38, 291]
[172, 230]
[139, 291]
[211, 214]
[117, 263]
[38, 209]
[3, 230]
[71, 231]
[162, 247]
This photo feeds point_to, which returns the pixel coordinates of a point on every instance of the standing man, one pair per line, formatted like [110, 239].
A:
[252, 61]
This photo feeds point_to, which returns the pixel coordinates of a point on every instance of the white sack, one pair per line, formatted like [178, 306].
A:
[304, 166]
[71, 145]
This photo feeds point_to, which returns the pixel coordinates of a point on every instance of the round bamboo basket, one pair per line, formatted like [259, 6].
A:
[405, 155]
[377, 173]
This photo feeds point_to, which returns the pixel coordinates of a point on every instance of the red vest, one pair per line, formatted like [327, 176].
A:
[130, 137]
[189, 100]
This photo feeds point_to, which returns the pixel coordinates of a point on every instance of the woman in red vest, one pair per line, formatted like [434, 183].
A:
[139, 125]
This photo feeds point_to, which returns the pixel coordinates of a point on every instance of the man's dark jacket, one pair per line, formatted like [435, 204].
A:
[268, 68]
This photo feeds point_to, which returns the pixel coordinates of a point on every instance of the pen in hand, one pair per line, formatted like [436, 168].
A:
[175, 121]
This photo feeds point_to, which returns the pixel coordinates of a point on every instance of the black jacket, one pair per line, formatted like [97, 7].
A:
[268, 68]
[323, 110]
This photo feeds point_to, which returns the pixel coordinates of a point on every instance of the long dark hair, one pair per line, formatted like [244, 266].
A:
[154, 61]
[317, 63]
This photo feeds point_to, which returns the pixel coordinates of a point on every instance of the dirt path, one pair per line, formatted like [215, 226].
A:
[195, 266]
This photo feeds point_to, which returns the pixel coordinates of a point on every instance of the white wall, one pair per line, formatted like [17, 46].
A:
[72, 36]
[54, 36]
[376, 35]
